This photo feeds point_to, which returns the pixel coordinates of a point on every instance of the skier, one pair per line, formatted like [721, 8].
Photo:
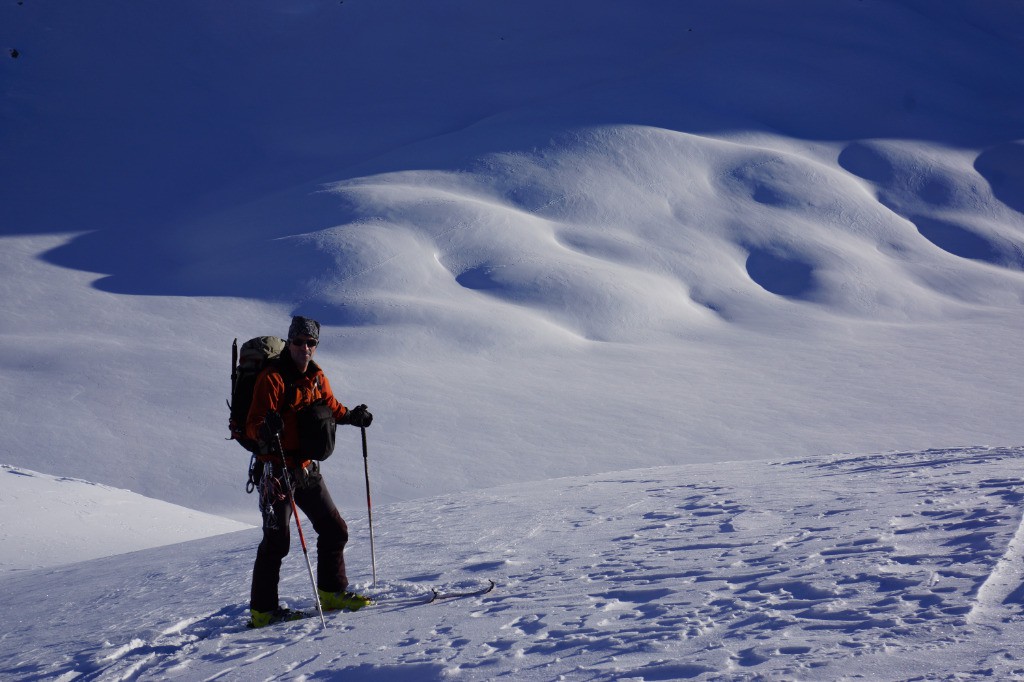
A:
[282, 392]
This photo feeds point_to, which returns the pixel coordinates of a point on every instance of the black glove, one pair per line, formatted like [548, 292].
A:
[271, 426]
[358, 416]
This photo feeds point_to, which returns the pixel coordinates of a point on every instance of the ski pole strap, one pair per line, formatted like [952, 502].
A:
[284, 463]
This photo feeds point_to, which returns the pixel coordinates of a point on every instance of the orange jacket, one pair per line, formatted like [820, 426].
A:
[272, 392]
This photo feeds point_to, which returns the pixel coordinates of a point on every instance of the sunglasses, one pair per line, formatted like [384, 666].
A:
[308, 343]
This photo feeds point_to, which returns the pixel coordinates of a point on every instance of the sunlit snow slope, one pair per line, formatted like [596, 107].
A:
[546, 239]
[50, 521]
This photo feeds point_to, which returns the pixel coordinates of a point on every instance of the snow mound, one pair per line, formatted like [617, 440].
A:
[50, 520]
[629, 233]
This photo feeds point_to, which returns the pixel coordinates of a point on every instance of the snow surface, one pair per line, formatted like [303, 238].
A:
[888, 566]
[50, 521]
[546, 240]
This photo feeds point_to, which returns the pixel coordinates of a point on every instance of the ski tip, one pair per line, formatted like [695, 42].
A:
[437, 596]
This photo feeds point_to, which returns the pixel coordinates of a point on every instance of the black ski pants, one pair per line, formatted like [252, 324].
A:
[313, 498]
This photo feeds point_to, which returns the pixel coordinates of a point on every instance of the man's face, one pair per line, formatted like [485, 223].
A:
[302, 349]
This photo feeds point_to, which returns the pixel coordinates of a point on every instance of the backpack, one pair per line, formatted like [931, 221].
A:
[246, 365]
[315, 422]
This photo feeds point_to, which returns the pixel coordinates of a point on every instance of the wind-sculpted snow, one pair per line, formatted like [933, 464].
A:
[1003, 167]
[887, 567]
[962, 209]
[545, 239]
[625, 233]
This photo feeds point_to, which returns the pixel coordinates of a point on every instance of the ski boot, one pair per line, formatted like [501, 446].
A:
[336, 601]
[261, 619]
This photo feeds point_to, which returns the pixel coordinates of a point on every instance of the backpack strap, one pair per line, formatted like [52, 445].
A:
[290, 376]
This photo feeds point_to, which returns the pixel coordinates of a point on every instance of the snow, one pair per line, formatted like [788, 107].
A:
[618, 281]
[887, 566]
[50, 521]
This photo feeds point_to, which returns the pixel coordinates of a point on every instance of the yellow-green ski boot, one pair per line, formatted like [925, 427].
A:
[337, 601]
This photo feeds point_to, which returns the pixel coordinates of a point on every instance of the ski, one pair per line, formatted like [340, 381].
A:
[438, 596]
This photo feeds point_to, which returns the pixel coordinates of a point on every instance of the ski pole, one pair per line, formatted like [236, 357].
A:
[369, 506]
[302, 538]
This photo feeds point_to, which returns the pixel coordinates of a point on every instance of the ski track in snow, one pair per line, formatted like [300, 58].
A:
[823, 568]
[1000, 596]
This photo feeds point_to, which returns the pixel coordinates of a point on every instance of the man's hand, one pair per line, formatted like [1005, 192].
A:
[358, 416]
[271, 426]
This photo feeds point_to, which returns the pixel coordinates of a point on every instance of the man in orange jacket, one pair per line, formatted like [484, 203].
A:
[283, 390]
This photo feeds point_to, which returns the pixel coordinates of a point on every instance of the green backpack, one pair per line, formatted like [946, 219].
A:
[246, 365]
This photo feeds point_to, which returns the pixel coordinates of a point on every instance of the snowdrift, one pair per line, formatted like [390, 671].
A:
[50, 521]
